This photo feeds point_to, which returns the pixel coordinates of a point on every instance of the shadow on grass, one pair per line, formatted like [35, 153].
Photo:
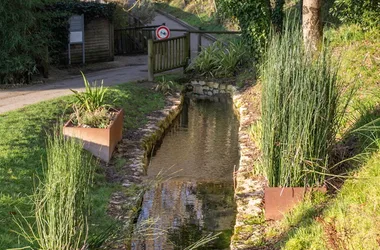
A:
[352, 151]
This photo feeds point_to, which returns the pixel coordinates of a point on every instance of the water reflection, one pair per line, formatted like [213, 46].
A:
[202, 150]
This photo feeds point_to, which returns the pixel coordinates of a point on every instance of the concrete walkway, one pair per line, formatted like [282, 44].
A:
[17, 98]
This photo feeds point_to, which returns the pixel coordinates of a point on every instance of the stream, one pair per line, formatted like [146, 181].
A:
[192, 172]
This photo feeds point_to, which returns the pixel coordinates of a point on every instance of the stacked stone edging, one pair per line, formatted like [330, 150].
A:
[203, 88]
[249, 192]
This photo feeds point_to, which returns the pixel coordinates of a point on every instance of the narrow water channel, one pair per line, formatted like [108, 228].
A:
[196, 160]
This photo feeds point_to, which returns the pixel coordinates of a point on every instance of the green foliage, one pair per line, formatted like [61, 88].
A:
[144, 11]
[362, 12]
[93, 98]
[255, 133]
[61, 202]
[19, 43]
[254, 19]
[220, 60]
[91, 108]
[167, 87]
[299, 110]
[91, 10]
[120, 19]
[198, 13]
[22, 148]
[35, 33]
[347, 221]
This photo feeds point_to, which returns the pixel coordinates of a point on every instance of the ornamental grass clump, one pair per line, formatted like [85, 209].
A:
[299, 110]
[220, 60]
[61, 201]
[91, 109]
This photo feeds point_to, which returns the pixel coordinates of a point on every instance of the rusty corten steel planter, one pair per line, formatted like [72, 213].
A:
[278, 200]
[101, 142]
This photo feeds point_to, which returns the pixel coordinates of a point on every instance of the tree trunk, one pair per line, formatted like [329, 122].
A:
[312, 24]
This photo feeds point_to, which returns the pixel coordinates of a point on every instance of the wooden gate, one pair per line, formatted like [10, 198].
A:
[168, 54]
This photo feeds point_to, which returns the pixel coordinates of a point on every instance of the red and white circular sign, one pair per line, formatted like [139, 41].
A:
[162, 32]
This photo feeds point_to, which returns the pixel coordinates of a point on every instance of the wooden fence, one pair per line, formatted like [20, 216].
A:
[168, 54]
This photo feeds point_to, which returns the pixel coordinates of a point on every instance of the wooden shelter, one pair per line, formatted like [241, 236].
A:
[98, 42]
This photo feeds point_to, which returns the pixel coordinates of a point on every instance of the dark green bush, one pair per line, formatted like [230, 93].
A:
[19, 43]
[366, 13]
[254, 19]
[35, 32]
[220, 60]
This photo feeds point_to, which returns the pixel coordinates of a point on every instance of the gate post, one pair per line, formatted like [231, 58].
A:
[199, 41]
[187, 50]
[151, 59]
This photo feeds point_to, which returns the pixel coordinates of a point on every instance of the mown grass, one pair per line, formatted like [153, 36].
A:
[349, 219]
[22, 154]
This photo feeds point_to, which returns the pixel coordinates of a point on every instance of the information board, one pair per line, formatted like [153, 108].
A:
[76, 34]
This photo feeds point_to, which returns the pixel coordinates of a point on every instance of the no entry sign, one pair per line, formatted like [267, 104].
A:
[162, 32]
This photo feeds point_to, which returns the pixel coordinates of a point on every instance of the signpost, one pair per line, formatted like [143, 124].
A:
[162, 32]
[77, 34]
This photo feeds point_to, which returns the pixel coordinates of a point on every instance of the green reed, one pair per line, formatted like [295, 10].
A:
[299, 110]
[61, 201]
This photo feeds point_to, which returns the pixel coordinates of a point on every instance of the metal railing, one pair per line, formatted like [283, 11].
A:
[133, 40]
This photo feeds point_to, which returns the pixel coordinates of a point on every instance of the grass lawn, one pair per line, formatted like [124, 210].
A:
[349, 219]
[22, 154]
[201, 19]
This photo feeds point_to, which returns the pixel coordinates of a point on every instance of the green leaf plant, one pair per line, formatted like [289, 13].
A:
[90, 108]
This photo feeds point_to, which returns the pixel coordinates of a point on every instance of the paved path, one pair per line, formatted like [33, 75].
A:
[17, 98]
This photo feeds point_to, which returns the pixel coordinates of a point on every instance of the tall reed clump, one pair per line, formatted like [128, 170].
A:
[299, 110]
[61, 201]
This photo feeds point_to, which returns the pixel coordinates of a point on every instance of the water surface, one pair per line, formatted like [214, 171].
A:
[196, 160]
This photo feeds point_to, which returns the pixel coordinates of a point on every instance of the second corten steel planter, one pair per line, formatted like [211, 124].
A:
[278, 200]
[101, 142]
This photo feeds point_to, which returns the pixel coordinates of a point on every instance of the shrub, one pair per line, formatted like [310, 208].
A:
[167, 87]
[19, 43]
[299, 110]
[35, 33]
[61, 202]
[144, 11]
[362, 12]
[219, 60]
[255, 18]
